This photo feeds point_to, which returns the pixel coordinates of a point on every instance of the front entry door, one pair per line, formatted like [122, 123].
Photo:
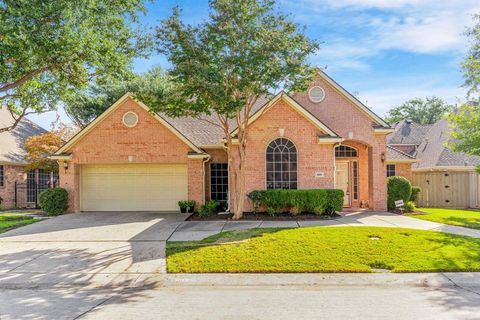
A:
[343, 181]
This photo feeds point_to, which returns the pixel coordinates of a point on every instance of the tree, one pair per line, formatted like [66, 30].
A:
[49, 48]
[471, 64]
[465, 121]
[39, 148]
[89, 103]
[423, 111]
[222, 66]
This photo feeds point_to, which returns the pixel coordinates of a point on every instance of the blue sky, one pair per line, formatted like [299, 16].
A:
[383, 51]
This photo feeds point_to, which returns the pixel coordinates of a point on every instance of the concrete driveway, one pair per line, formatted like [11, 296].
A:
[86, 248]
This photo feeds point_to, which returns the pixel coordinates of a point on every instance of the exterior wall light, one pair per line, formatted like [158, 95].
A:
[65, 165]
[382, 156]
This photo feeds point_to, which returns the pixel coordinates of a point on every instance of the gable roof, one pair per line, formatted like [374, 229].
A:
[112, 108]
[433, 152]
[395, 155]
[357, 103]
[12, 142]
[297, 107]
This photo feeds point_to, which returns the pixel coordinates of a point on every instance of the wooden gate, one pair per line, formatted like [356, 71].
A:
[447, 189]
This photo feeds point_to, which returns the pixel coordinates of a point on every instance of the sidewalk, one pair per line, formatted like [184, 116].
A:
[197, 230]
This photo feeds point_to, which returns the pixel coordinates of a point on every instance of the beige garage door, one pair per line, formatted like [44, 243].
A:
[133, 187]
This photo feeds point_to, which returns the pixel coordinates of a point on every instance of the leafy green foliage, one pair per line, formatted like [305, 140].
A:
[321, 249]
[86, 105]
[415, 192]
[471, 64]
[409, 206]
[398, 188]
[422, 111]
[54, 201]
[208, 209]
[223, 65]
[465, 130]
[186, 205]
[50, 48]
[319, 201]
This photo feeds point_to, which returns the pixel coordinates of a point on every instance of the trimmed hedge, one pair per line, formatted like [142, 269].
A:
[54, 201]
[319, 201]
[415, 191]
[398, 188]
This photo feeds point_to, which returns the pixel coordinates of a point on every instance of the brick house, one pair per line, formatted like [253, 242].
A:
[18, 187]
[130, 159]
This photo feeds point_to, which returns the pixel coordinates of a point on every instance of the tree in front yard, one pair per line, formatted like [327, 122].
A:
[50, 48]
[221, 67]
[465, 121]
[423, 111]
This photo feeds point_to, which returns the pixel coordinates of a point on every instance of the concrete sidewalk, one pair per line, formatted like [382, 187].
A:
[197, 230]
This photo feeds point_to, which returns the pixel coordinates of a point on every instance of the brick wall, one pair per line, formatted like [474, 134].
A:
[12, 174]
[110, 142]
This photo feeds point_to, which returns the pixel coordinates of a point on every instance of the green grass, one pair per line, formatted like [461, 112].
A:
[321, 249]
[10, 221]
[462, 218]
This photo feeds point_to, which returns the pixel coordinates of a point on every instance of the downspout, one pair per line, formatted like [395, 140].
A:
[203, 177]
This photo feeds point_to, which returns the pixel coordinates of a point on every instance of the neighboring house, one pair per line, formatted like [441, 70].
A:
[129, 159]
[17, 187]
[447, 178]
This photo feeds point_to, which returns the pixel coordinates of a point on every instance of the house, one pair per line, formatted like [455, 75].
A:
[419, 152]
[130, 159]
[19, 188]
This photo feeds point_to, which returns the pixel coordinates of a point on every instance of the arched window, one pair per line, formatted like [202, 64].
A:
[345, 152]
[281, 158]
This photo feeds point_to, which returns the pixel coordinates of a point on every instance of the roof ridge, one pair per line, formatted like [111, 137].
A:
[400, 151]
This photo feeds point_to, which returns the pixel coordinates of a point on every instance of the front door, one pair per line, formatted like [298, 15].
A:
[343, 180]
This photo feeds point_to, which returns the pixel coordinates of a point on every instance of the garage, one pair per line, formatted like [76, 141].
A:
[133, 187]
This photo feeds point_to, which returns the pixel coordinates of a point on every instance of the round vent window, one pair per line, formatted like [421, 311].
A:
[316, 94]
[130, 119]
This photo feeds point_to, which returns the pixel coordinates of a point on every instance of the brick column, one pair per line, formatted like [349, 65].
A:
[195, 180]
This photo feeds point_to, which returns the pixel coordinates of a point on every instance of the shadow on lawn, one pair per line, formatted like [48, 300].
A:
[463, 222]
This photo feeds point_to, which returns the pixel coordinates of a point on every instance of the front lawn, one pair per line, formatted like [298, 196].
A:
[10, 221]
[321, 249]
[462, 218]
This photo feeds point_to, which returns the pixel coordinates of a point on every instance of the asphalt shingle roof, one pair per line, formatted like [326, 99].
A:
[395, 154]
[433, 151]
[408, 132]
[12, 143]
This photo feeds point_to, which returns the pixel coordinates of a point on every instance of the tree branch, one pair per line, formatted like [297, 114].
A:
[25, 78]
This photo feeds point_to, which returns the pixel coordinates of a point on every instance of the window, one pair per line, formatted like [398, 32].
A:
[355, 180]
[219, 182]
[281, 160]
[2, 177]
[390, 170]
[345, 152]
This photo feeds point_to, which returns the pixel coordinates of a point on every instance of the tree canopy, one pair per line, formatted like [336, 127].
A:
[89, 103]
[423, 111]
[221, 66]
[466, 120]
[48, 48]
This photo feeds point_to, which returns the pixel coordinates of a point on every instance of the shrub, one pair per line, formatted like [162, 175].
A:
[208, 209]
[398, 188]
[186, 205]
[335, 198]
[321, 201]
[409, 206]
[54, 201]
[415, 191]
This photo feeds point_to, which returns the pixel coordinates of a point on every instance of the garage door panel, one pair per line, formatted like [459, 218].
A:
[133, 187]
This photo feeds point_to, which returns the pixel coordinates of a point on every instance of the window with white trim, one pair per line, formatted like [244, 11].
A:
[345, 152]
[391, 170]
[355, 180]
[281, 162]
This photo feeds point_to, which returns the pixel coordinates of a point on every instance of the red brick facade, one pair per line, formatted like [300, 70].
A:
[110, 142]
[11, 175]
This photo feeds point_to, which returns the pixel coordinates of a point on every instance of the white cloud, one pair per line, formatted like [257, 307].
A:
[382, 100]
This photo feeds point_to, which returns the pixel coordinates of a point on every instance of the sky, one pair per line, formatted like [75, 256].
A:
[383, 51]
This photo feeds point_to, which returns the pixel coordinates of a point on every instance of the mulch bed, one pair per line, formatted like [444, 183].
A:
[251, 216]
